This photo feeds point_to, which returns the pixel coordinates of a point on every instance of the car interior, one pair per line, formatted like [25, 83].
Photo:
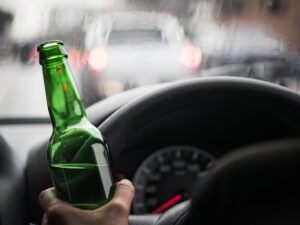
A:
[219, 147]
[211, 118]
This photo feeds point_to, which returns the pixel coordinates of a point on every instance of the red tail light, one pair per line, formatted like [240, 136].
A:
[191, 57]
[98, 59]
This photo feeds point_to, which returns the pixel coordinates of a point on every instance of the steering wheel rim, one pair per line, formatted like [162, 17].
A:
[259, 95]
[122, 126]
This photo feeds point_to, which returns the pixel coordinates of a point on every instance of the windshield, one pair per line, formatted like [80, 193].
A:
[114, 46]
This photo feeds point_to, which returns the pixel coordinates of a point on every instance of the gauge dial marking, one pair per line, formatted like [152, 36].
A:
[168, 204]
[167, 173]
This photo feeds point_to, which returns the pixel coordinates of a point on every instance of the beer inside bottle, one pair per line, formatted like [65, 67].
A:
[79, 160]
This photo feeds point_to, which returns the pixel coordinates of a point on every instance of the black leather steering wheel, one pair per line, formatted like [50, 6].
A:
[229, 105]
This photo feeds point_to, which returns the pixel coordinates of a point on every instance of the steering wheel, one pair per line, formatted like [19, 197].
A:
[221, 114]
[217, 108]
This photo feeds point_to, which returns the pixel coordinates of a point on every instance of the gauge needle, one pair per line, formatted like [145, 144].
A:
[168, 204]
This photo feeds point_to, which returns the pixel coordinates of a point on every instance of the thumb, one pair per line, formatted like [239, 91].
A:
[123, 196]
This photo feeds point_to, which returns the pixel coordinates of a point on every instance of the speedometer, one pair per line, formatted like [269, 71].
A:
[168, 176]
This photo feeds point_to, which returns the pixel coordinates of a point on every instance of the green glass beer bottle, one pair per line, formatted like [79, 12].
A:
[79, 160]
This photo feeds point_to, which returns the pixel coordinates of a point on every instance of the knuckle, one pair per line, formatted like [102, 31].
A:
[54, 212]
[118, 207]
[42, 196]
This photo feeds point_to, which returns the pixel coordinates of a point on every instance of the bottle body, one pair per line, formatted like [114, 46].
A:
[80, 166]
[79, 160]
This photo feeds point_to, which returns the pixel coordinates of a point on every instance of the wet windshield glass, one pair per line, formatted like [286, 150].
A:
[114, 46]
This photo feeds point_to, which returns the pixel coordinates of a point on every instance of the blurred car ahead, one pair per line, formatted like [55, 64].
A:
[131, 49]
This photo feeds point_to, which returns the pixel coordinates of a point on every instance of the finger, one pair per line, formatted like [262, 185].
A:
[44, 220]
[124, 191]
[124, 194]
[47, 198]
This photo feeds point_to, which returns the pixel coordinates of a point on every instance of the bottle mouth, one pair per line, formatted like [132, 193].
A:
[51, 51]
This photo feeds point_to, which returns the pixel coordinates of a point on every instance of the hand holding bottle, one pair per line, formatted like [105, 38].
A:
[58, 212]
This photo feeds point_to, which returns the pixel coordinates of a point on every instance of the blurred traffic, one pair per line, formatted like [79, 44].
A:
[130, 49]
[114, 46]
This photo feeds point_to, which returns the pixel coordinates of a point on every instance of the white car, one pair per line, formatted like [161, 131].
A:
[130, 49]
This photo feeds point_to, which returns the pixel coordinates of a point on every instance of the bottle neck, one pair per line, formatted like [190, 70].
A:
[64, 103]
